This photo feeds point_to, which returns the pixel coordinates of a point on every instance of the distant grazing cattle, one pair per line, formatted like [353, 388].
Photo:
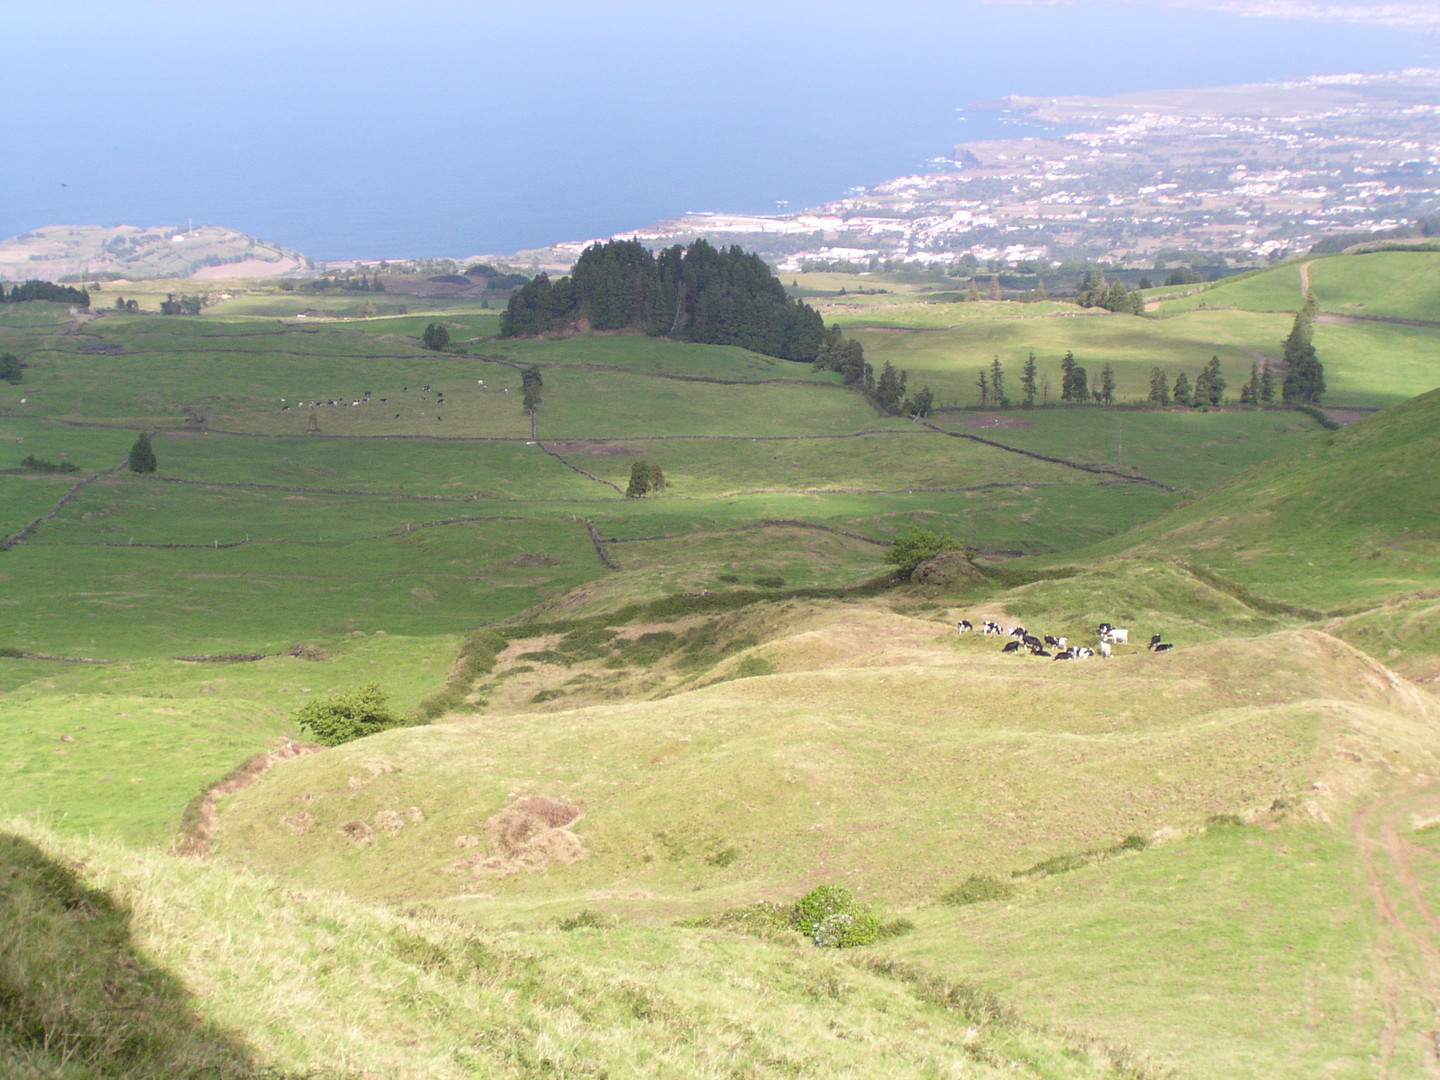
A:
[1166, 647]
[991, 628]
[1105, 649]
[1018, 632]
[963, 626]
[1011, 646]
[1154, 640]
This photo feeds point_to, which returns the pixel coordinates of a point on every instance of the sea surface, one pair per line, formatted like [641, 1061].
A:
[383, 129]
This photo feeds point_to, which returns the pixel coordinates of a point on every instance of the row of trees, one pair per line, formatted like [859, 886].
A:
[1303, 385]
[45, 290]
[697, 293]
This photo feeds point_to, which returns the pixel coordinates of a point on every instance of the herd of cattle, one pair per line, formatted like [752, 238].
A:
[1025, 642]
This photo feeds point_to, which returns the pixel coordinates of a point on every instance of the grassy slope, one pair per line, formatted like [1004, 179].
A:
[813, 743]
[1348, 519]
[316, 981]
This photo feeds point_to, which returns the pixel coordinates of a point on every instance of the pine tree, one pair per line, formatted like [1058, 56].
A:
[890, 388]
[531, 384]
[984, 384]
[1267, 384]
[1250, 392]
[1159, 388]
[1105, 394]
[1029, 383]
[1182, 393]
[1067, 376]
[973, 293]
[656, 477]
[1304, 374]
[921, 404]
[142, 455]
[997, 384]
[1209, 384]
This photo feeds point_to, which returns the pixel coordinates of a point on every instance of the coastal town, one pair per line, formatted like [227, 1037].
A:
[1239, 176]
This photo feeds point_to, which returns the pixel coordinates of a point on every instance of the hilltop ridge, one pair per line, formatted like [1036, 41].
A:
[101, 253]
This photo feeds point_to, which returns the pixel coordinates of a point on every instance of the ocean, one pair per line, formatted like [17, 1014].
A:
[386, 130]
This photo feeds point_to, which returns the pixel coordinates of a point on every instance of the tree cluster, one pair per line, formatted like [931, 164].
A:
[698, 293]
[45, 290]
[1095, 291]
[11, 370]
[436, 337]
[645, 477]
[1304, 374]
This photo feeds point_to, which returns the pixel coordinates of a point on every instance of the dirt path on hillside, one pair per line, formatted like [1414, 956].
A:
[1407, 940]
[1304, 279]
[195, 837]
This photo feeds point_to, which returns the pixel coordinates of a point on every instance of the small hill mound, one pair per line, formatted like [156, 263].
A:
[1348, 519]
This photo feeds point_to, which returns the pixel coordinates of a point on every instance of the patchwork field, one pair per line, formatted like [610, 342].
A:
[655, 723]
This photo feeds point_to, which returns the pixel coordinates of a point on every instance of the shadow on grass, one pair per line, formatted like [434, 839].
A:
[79, 1000]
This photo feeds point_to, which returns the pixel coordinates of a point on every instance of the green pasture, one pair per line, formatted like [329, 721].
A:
[131, 602]
[1348, 518]
[461, 474]
[892, 460]
[1377, 364]
[146, 735]
[639, 354]
[1393, 284]
[1263, 934]
[1182, 447]
[1276, 290]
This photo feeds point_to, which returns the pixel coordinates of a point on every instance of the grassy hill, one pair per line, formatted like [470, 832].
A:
[125, 251]
[707, 702]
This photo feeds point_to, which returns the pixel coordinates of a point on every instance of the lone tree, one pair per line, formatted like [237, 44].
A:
[436, 337]
[918, 545]
[1159, 388]
[1304, 374]
[531, 383]
[1028, 383]
[142, 455]
[10, 368]
[639, 485]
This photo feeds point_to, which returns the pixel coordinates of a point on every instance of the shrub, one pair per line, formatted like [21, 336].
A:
[1134, 842]
[583, 920]
[978, 889]
[830, 917]
[919, 545]
[346, 717]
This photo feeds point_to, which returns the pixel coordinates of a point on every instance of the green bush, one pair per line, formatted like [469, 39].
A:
[830, 917]
[1134, 842]
[920, 544]
[346, 717]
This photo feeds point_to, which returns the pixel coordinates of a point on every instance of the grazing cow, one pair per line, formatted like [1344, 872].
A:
[1032, 642]
[991, 628]
[1011, 646]
[1105, 649]
[1065, 654]
[1116, 635]
[963, 626]
[1051, 640]
[1166, 647]
[1018, 632]
[1040, 652]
